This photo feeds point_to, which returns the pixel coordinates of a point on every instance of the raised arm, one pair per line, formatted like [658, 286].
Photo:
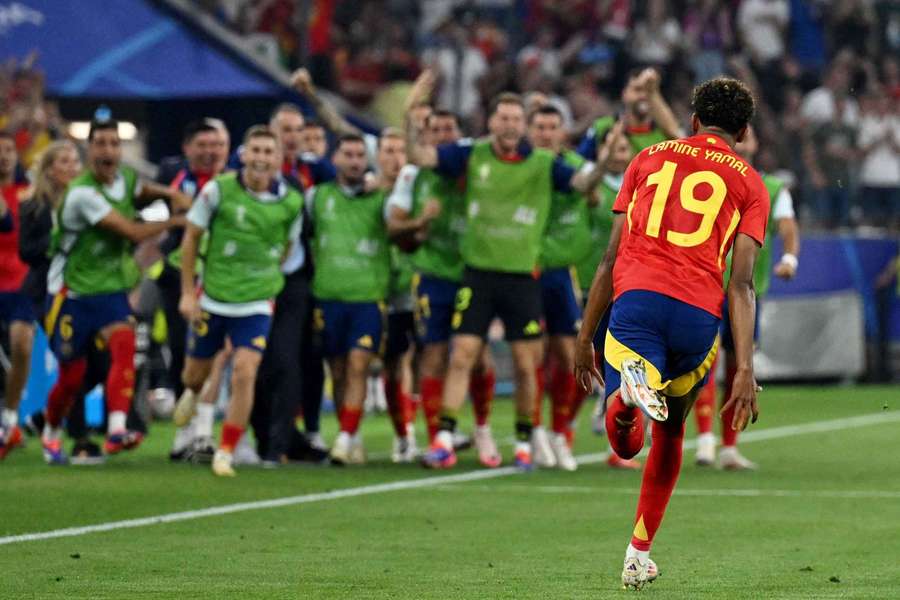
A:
[660, 111]
[150, 191]
[742, 312]
[303, 84]
[598, 301]
[135, 231]
[418, 152]
[586, 180]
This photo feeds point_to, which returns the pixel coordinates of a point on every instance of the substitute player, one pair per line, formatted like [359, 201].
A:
[782, 222]
[682, 206]
[251, 216]
[350, 250]
[90, 275]
[509, 186]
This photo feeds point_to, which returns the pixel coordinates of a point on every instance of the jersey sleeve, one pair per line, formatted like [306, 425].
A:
[588, 145]
[755, 213]
[85, 206]
[629, 184]
[402, 195]
[784, 205]
[322, 170]
[452, 159]
[562, 175]
[204, 206]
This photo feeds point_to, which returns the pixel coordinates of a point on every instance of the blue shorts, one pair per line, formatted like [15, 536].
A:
[677, 341]
[435, 302]
[562, 311]
[74, 323]
[207, 337]
[727, 338]
[15, 306]
[344, 326]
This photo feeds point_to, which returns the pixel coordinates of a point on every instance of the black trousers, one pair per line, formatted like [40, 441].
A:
[291, 373]
[169, 284]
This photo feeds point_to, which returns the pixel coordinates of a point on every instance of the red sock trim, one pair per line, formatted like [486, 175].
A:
[432, 391]
[120, 380]
[65, 390]
[350, 418]
[563, 396]
[481, 387]
[231, 435]
[398, 402]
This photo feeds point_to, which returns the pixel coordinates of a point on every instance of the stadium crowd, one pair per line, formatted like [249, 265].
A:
[319, 245]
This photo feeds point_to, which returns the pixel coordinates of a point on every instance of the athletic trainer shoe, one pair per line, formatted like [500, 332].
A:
[357, 450]
[223, 464]
[203, 450]
[562, 452]
[523, 460]
[185, 409]
[405, 450]
[86, 453]
[340, 452]
[461, 441]
[732, 460]
[441, 454]
[53, 452]
[122, 440]
[10, 439]
[542, 452]
[637, 392]
[488, 455]
[706, 450]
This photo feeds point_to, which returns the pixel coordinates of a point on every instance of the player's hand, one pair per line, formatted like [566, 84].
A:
[189, 308]
[421, 89]
[785, 270]
[649, 80]
[431, 210]
[743, 399]
[585, 367]
[301, 81]
[605, 149]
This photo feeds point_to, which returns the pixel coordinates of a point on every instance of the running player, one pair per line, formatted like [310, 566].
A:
[782, 221]
[91, 273]
[15, 308]
[681, 208]
[509, 186]
[567, 241]
[352, 258]
[251, 217]
[417, 197]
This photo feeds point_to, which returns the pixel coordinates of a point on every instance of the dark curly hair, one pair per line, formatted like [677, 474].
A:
[723, 102]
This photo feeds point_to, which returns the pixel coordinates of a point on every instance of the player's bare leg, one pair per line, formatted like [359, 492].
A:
[465, 352]
[350, 375]
[660, 477]
[21, 340]
[526, 356]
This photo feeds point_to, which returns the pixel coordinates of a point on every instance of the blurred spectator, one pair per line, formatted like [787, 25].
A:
[853, 26]
[762, 24]
[656, 38]
[829, 155]
[879, 149]
[708, 35]
[819, 105]
[459, 67]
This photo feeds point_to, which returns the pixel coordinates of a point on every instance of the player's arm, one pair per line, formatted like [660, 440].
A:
[785, 218]
[742, 312]
[589, 176]
[134, 230]
[150, 191]
[660, 111]
[598, 301]
[188, 305]
[303, 84]
[400, 223]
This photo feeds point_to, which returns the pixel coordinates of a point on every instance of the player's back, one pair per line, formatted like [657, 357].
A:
[684, 201]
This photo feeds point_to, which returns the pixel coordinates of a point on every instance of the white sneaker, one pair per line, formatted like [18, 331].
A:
[637, 573]
[223, 464]
[340, 452]
[732, 460]
[405, 450]
[245, 454]
[185, 409]
[357, 451]
[637, 392]
[317, 441]
[542, 453]
[488, 454]
[181, 445]
[562, 452]
[706, 450]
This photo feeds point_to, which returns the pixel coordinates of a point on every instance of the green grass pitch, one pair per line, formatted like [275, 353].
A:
[820, 519]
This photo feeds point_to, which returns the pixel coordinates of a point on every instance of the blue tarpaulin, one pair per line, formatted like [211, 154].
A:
[123, 49]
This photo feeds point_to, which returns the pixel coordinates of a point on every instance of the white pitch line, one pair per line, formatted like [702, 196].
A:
[408, 484]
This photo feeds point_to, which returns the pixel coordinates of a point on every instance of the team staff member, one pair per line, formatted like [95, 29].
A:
[90, 276]
[509, 187]
[251, 217]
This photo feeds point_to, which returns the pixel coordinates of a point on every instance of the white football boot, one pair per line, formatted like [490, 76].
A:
[637, 392]
[542, 453]
[732, 460]
[223, 464]
[562, 452]
[706, 450]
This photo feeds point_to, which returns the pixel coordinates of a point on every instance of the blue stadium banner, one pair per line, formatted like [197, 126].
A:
[122, 49]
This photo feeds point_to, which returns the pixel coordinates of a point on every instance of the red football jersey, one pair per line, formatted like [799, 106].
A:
[12, 269]
[685, 200]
